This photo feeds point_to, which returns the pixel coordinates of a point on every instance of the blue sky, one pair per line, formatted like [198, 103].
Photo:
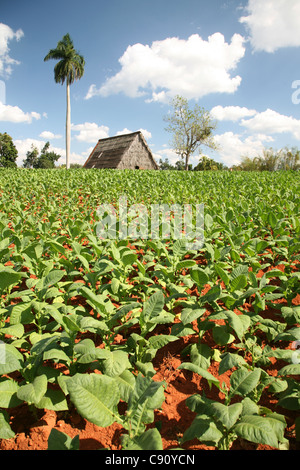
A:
[240, 60]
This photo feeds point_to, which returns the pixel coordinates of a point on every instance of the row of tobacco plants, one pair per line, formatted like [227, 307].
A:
[66, 294]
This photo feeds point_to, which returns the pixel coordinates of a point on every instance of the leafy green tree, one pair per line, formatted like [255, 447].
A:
[46, 159]
[69, 68]
[249, 164]
[290, 159]
[165, 165]
[272, 160]
[191, 128]
[269, 160]
[179, 165]
[207, 163]
[31, 158]
[8, 151]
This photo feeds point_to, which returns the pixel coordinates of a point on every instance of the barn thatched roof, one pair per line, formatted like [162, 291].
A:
[109, 152]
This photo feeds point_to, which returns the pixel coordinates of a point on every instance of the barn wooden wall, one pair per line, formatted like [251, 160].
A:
[136, 155]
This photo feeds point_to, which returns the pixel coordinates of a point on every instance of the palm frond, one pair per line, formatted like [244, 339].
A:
[71, 65]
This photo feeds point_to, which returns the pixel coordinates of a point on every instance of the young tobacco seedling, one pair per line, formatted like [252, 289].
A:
[220, 424]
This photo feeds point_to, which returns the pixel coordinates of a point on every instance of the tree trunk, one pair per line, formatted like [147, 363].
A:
[68, 127]
[186, 162]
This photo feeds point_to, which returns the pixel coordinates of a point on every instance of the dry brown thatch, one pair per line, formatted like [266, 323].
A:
[129, 151]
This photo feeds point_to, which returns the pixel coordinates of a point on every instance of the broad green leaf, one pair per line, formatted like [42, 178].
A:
[230, 360]
[149, 440]
[5, 430]
[8, 394]
[272, 219]
[198, 370]
[146, 368]
[154, 305]
[128, 258]
[43, 342]
[53, 400]
[185, 264]
[243, 381]
[95, 397]
[249, 407]
[179, 330]
[58, 440]
[188, 315]
[236, 323]
[291, 369]
[200, 404]
[84, 346]
[56, 354]
[238, 283]
[200, 354]
[223, 275]
[222, 335]
[16, 330]
[199, 276]
[21, 313]
[203, 429]
[257, 429]
[9, 278]
[147, 396]
[159, 341]
[115, 363]
[53, 277]
[33, 392]
[227, 415]
[152, 308]
[126, 382]
[10, 359]
[91, 324]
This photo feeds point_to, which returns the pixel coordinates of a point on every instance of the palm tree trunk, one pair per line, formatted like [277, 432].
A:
[68, 127]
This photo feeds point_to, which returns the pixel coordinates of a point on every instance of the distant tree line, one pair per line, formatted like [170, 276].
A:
[271, 160]
[205, 163]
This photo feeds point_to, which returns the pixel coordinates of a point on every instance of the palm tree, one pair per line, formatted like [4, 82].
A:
[69, 68]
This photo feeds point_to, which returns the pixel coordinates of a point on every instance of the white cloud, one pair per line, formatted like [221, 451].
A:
[167, 153]
[6, 35]
[25, 145]
[268, 122]
[233, 146]
[145, 133]
[90, 132]
[49, 135]
[271, 122]
[192, 68]
[231, 113]
[273, 24]
[173, 157]
[15, 114]
[92, 92]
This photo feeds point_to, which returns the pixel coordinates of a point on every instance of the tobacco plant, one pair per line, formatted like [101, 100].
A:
[82, 319]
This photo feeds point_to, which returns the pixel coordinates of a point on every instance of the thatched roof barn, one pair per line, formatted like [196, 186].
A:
[129, 151]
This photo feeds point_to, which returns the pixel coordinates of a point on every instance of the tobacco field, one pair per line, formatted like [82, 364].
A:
[140, 344]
